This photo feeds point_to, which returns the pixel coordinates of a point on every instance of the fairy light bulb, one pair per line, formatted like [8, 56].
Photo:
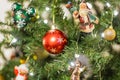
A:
[77, 55]
[14, 41]
[116, 12]
[47, 8]
[72, 64]
[53, 27]
[102, 35]
[31, 74]
[108, 4]
[45, 21]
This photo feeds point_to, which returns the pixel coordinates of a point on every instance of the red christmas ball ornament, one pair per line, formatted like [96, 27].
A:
[54, 41]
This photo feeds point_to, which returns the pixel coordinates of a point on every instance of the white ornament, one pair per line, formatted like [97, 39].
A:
[9, 53]
[116, 47]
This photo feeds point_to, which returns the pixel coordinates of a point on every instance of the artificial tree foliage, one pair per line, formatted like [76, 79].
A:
[91, 44]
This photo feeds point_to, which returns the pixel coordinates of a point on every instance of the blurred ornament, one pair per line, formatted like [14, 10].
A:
[21, 72]
[9, 53]
[22, 61]
[34, 18]
[54, 41]
[80, 64]
[84, 18]
[40, 54]
[16, 6]
[1, 77]
[109, 34]
[116, 47]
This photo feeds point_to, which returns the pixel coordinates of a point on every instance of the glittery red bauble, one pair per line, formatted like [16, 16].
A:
[54, 41]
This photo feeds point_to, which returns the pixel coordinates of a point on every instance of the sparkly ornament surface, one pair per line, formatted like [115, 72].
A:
[54, 41]
[109, 34]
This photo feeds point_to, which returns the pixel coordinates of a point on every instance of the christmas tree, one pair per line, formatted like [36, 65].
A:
[60, 40]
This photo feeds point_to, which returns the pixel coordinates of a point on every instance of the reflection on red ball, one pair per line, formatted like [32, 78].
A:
[54, 41]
